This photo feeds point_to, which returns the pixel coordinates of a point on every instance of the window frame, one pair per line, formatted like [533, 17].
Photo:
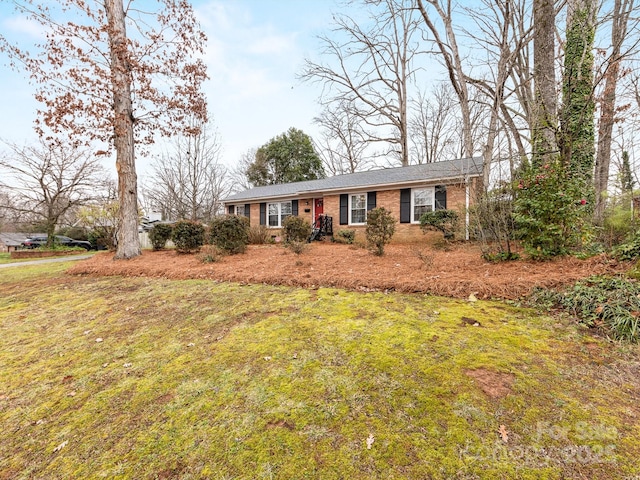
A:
[237, 207]
[432, 191]
[350, 206]
[279, 214]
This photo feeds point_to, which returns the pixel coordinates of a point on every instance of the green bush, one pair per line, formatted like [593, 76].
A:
[295, 229]
[611, 303]
[159, 235]
[102, 238]
[630, 249]
[380, 229]
[345, 236]
[77, 233]
[187, 236]
[230, 233]
[445, 221]
[618, 225]
[552, 211]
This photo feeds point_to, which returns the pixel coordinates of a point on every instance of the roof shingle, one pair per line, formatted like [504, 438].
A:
[428, 173]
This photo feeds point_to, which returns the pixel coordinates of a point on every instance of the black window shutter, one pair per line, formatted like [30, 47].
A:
[230, 209]
[294, 208]
[344, 209]
[263, 214]
[371, 200]
[441, 197]
[405, 205]
[247, 210]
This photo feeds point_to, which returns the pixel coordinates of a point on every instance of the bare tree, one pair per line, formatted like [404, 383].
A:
[499, 32]
[97, 82]
[620, 17]
[433, 13]
[46, 181]
[343, 145]
[239, 178]
[433, 126]
[371, 70]
[188, 182]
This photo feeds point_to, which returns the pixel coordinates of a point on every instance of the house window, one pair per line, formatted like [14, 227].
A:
[278, 212]
[421, 203]
[240, 210]
[358, 209]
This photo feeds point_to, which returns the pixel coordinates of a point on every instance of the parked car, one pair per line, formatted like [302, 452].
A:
[35, 242]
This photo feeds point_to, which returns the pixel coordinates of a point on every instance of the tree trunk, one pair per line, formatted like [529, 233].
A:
[621, 11]
[545, 118]
[128, 240]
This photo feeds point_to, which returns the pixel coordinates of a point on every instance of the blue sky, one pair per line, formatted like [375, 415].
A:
[255, 50]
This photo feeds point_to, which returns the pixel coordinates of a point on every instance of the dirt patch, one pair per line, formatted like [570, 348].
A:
[458, 273]
[493, 384]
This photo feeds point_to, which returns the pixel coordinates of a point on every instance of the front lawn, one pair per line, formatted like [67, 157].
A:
[149, 378]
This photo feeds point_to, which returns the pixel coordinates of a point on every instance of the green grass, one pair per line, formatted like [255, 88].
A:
[6, 258]
[196, 379]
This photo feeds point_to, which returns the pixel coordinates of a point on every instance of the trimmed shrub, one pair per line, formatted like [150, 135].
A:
[380, 229]
[345, 236]
[295, 229]
[445, 221]
[230, 233]
[187, 236]
[159, 235]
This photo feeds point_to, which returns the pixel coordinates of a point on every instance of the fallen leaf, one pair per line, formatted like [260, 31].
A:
[98, 340]
[126, 365]
[71, 394]
[267, 358]
[61, 446]
[191, 345]
[503, 433]
[370, 441]
[472, 297]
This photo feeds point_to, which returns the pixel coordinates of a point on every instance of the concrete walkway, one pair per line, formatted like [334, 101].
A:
[46, 260]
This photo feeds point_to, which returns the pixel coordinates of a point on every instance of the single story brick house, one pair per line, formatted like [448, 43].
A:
[407, 192]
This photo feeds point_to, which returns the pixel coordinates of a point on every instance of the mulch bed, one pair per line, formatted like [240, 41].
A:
[458, 272]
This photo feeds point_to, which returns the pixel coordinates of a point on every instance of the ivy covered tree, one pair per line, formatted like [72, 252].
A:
[290, 157]
[577, 138]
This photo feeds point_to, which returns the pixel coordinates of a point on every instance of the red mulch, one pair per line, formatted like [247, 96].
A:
[458, 272]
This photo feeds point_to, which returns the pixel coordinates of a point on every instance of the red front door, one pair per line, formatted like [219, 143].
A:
[318, 208]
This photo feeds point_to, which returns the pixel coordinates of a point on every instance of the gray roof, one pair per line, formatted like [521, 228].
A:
[450, 170]
[12, 239]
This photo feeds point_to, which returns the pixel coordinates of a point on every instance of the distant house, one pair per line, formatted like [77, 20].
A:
[11, 241]
[407, 192]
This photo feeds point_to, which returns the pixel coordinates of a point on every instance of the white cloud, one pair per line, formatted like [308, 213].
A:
[18, 24]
